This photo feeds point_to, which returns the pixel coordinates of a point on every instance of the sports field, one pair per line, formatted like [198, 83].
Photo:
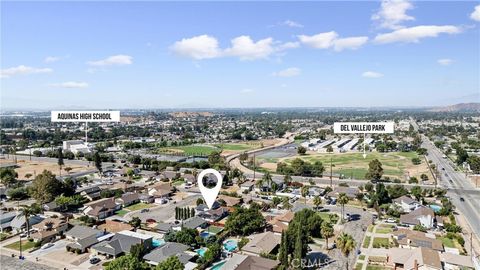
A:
[396, 165]
[190, 150]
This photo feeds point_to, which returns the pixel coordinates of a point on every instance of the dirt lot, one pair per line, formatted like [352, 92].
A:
[36, 167]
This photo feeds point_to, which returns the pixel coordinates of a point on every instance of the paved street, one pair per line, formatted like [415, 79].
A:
[9, 263]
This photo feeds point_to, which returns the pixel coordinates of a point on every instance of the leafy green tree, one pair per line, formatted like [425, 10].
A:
[135, 222]
[301, 150]
[171, 263]
[64, 202]
[138, 251]
[317, 201]
[346, 244]
[327, 232]
[283, 252]
[287, 179]
[126, 262]
[60, 159]
[417, 192]
[329, 149]
[45, 187]
[8, 176]
[245, 221]
[97, 160]
[474, 162]
[318, 169]
[375, 170]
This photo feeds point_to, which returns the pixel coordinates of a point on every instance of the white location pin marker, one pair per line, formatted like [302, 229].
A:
[209, 194]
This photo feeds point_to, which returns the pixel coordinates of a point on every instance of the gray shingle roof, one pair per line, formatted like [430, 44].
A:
[80, 232]
[169, 249]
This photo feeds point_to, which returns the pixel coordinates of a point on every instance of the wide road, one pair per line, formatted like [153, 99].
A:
[458, 187]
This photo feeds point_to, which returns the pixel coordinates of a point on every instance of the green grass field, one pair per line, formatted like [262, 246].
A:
[447, 242]
[190, 150]
[395, 164]
[121, 212]
[384, 228]
[26, 245]
[238, 146]
[379, 242]
[366, 242]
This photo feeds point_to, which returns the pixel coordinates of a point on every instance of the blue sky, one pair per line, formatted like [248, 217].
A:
[245, 54]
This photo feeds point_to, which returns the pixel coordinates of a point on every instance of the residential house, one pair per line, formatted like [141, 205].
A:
[146, 198]
[203, 207]
[229, 200]
[121, 243]
[214, 215]
[195, 223]
[170, 175]
[160, 191]
[262, 243]
[247, 262]
[6, 220]
[414, 259]
[102, 208]
[407, 238]
[51, 206]
[406, 203]
[280, 223]
[189, 179]
[91, 193]
[164, 227]
[82, 237]
[247, 186]
[456, 262]
[169, 249]
[349, 191]
[19, 223]
[128, 198]
[421, 216]
[147, 175]
[48, 229]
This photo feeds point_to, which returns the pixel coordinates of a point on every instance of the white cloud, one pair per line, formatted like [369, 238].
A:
[51, 59]
[351, 43]
[392, 13]
[414, 34]
[287, 45]
[291, 23]
[22, 70]
[70, 84]
[246, 90]
[445, 61]
[245, 48]
[283, 85]
[330, 39]
[207, 47]
[476, 14]
[199, 47]
[372, 74]
[114, 60]
[289, 72]
[319, 41]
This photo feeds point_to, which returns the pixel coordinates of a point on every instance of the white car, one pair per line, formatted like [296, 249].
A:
[391, 220]
[47, 245]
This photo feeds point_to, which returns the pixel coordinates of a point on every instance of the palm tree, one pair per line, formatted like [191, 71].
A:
[267, 179]
[327, 231]
[27, 212]
[287, 179]
[342, 200]
[304, 192]
[317, 201]
[346, 244]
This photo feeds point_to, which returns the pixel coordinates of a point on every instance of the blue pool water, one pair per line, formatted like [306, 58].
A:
[435, 207]
[201, 251]
[217, 266]
[230, 245]
[205, 234]
[158, 242]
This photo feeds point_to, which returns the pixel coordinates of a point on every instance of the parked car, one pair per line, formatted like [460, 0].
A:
[462, 199]
[391, 220]
[94, 260]
[144, 210]
[47, 245]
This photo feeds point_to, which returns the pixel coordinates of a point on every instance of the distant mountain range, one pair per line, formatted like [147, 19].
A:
[461, 107]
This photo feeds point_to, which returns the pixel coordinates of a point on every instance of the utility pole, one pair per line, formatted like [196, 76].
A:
[254, 166]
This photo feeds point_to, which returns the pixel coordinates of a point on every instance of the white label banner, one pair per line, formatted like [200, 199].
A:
[363, 127]
[85, 116]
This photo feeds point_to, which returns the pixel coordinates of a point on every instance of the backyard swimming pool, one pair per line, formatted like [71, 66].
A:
[217, 266]
[158, 242]
[435, 207]
[230, 245]
[201, 251]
